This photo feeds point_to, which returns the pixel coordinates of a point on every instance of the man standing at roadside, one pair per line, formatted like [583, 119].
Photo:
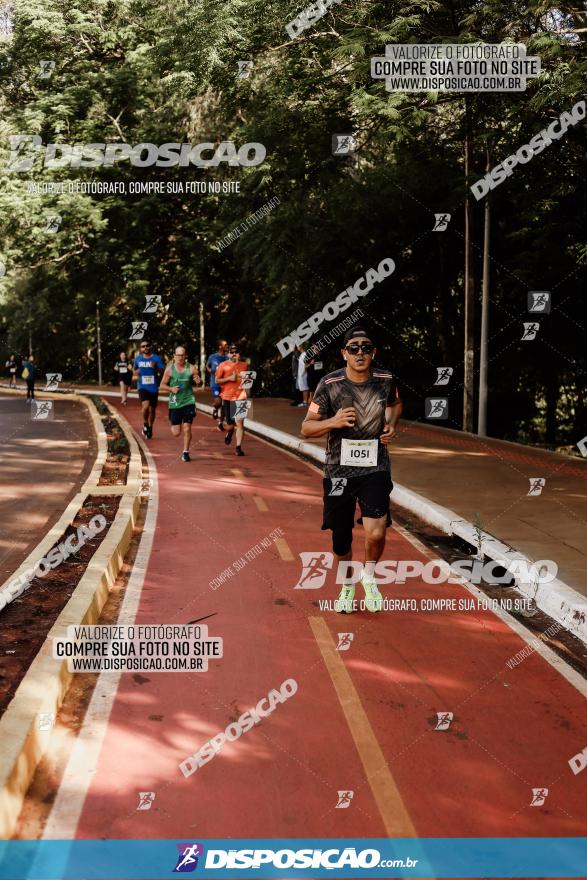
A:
[148, 367]
[357, 408]
[178, 378]
[234, 396]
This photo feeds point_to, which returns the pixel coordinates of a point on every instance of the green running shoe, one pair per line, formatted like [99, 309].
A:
[373, 598]
[344, 603]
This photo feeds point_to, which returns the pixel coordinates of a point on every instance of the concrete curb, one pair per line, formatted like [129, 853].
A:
[556, 598]
[44, 686]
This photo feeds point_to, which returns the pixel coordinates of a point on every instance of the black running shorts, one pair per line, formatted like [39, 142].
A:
[182, 414]
[151, 396]
[342, 494]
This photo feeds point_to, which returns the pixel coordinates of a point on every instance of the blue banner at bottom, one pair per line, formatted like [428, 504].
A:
[365, 858]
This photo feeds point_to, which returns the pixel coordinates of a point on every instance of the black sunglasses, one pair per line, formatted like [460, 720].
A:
[356, 347]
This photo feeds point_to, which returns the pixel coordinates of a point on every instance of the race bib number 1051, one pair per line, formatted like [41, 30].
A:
[359, 453]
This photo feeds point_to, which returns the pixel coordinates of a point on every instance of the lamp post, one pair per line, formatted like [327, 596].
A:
[482, 412]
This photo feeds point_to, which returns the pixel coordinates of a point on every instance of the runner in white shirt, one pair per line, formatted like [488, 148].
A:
[123, 370]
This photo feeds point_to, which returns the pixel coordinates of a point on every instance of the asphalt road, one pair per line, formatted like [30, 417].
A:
[43, 462]
[434, 720]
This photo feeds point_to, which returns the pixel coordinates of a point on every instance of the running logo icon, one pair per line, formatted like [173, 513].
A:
[344, 641]
[444, 374]
[539, 301]
[187, 860]
[343, 144]
[444, 720]
[46, 68]
[436, 408]
[152, 302]
[146, 486]
[247, 378]
[537, 484]
[531, 329]
[244, 69]
[539, 795]
[241, 408]
[338, 486]
[315, 566]
[146, 799]
[42, 409]
[53, 223]
[344, 800]
[441, 222]
[53, 380]
[139, 328]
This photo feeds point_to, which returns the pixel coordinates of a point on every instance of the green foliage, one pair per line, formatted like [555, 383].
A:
[145, 71]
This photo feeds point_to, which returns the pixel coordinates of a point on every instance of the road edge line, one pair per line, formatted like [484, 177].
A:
[45, 683]
[393, 811]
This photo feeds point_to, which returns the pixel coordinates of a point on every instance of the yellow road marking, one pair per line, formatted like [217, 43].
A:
[385, 791]
[283, 550]
[260, 502]
[237, 473]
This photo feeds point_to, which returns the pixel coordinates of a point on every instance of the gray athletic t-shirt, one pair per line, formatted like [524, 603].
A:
[369, 400]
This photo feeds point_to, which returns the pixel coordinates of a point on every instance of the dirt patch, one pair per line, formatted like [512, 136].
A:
[27, 619]
[115, 469]
[68, 722]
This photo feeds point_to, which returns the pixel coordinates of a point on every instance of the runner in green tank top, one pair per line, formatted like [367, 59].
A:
[178, 379]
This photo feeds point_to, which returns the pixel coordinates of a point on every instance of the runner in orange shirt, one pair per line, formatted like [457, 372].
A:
[234, 396]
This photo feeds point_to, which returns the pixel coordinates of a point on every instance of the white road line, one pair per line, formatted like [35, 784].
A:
[79, 772]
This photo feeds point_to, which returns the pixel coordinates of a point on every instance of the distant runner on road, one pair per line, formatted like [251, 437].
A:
[178, 378]
[211, 366]
[147, 367]
[234, 396]
[123, 371]
[11, 369]
[358, 407]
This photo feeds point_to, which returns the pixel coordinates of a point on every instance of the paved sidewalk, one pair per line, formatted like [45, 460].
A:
[43, 463]
[490, 478]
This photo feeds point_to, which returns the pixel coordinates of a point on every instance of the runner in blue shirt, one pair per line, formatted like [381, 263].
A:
[148, 368]
[211, 366]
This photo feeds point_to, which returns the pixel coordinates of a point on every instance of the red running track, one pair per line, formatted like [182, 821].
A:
[363, 720]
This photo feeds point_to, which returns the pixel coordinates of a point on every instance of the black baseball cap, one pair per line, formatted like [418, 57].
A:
[356, 331]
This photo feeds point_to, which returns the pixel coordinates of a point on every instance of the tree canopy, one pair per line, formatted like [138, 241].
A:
[139, 71]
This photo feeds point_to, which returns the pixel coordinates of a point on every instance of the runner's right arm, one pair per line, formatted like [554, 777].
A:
[316, 426]
[164, 386]
[318, 423]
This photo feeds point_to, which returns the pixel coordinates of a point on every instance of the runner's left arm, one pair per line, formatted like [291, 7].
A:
[393, 411]
[196, 378]
[160, 368]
